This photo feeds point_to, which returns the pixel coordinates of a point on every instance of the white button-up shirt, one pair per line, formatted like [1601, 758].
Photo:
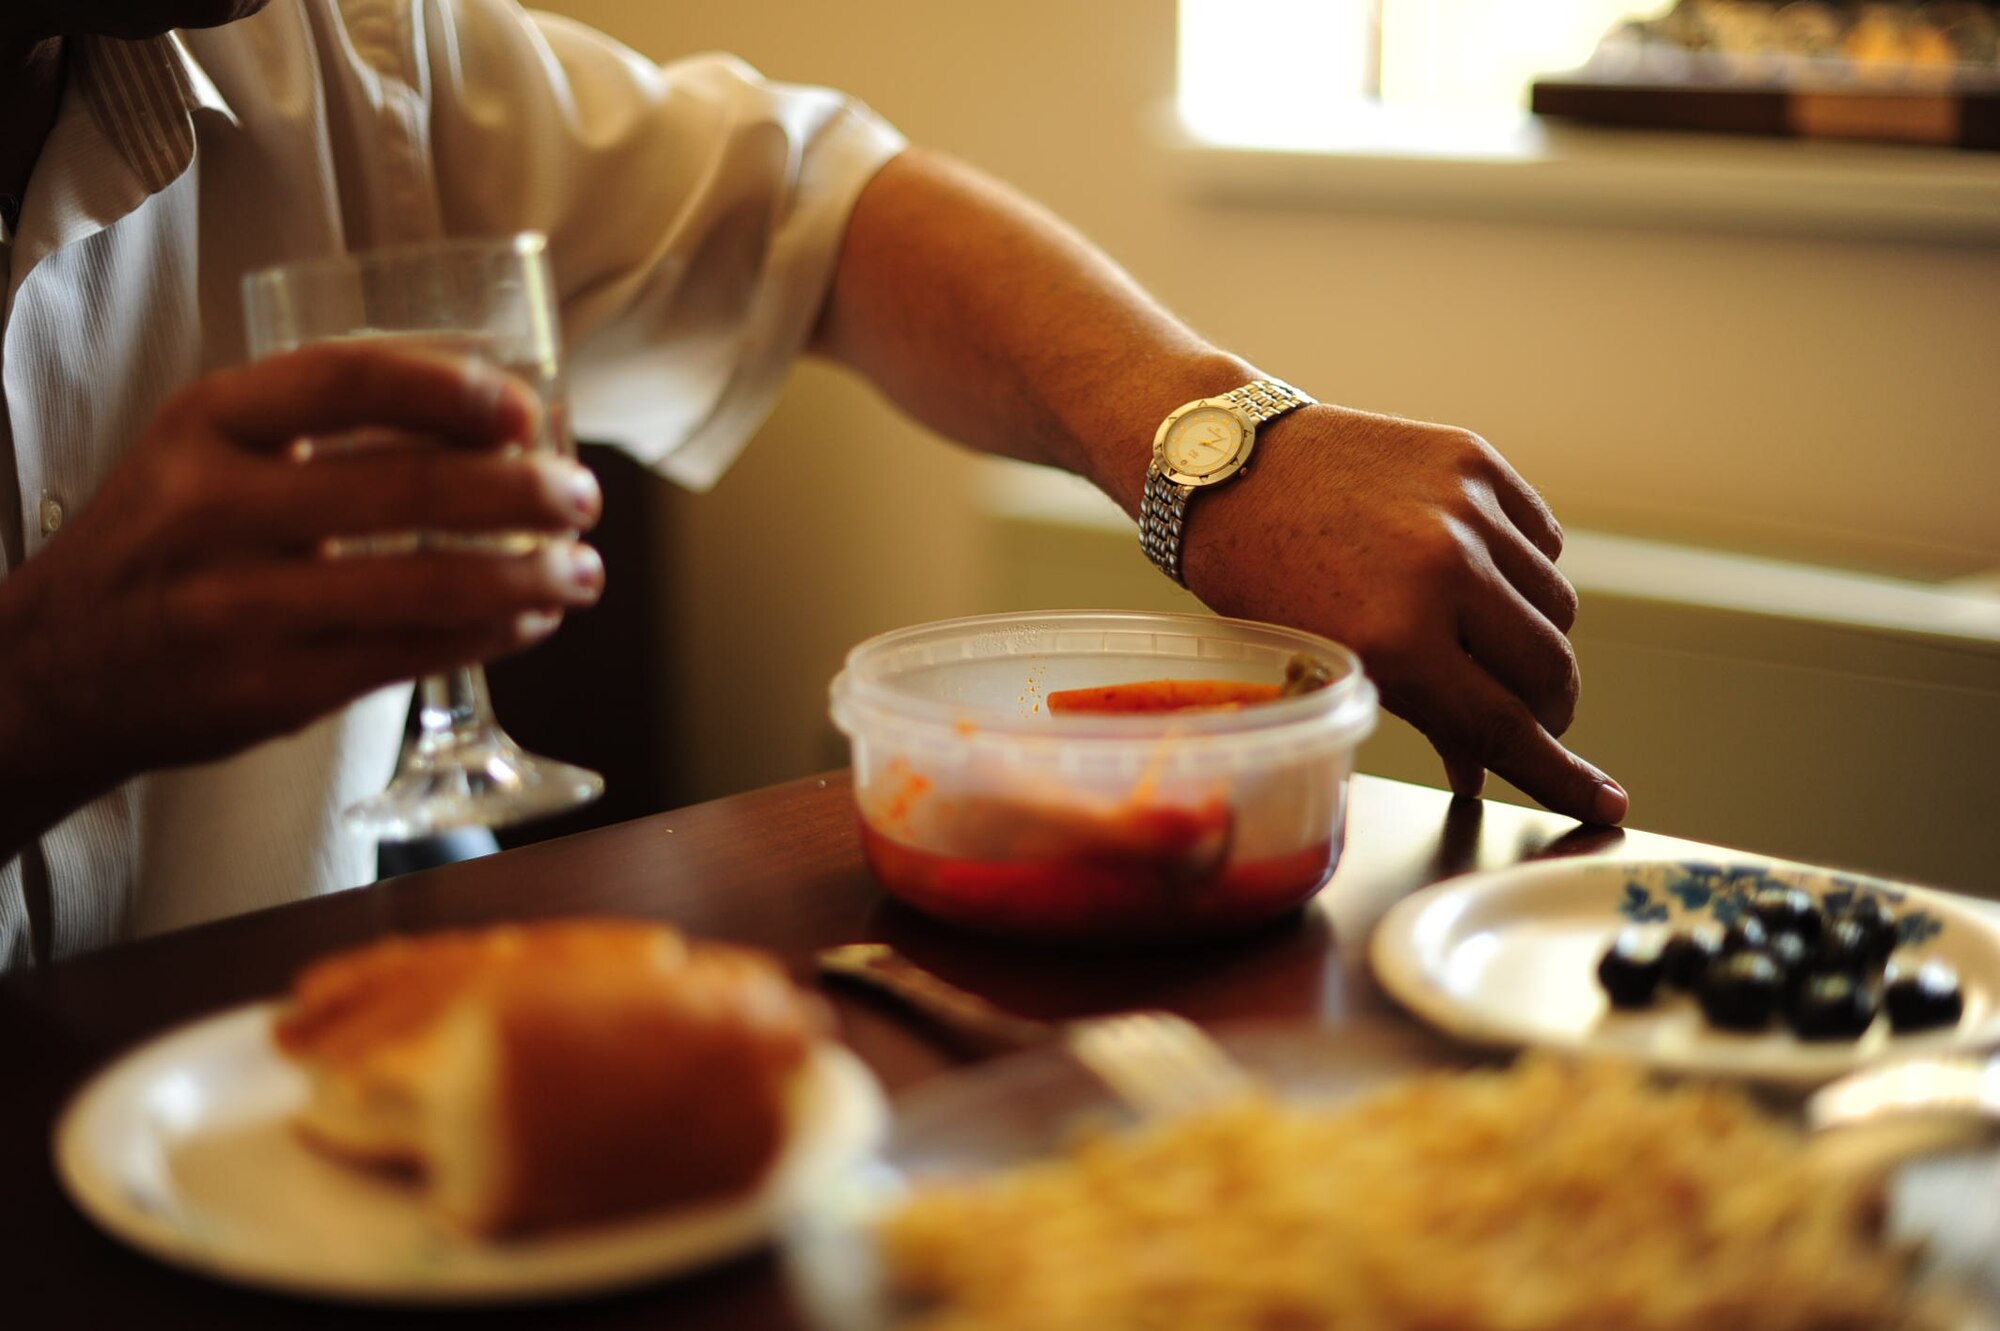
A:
[694, 215]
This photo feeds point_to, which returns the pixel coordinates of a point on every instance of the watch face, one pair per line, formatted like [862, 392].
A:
[1203, 442]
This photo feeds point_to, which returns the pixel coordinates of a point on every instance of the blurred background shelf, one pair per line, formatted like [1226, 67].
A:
[1890, 72]
[1943, 118]
[1547, 171]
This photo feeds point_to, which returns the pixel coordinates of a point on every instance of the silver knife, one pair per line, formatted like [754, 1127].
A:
[969, 1017]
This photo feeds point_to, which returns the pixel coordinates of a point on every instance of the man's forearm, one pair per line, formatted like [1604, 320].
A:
[1415, 544]
[993, 323]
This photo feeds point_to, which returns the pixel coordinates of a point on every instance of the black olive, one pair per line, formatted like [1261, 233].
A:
[1922, 997]
[1631, 967]
[1740, 992]
[1875, 918]
[1793, 955]
[1847, 946]
[1788, 910]
[1747, 934]
[1834, 1005]
[1689, 954]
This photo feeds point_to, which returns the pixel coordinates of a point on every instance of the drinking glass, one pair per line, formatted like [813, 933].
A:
[493, 300]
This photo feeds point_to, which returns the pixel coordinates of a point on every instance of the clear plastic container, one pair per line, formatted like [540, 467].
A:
[981, 806]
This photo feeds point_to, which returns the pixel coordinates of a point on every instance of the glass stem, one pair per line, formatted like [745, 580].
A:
[453, 707]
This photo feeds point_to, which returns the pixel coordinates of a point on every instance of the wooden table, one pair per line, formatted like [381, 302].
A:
[780, 868]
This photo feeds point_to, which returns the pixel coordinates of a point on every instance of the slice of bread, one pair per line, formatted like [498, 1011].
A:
[552, 1074]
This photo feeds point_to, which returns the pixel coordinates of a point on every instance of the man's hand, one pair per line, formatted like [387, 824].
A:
[193, 608]
[1419, 547]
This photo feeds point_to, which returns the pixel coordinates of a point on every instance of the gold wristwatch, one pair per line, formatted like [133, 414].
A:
[1203, 443]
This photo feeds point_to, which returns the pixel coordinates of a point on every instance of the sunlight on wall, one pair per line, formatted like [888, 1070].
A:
[1312, 62]
[1480, 55]
[1274, 72]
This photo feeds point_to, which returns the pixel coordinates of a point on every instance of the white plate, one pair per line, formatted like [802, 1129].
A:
[1510, 958]
[184, 1149]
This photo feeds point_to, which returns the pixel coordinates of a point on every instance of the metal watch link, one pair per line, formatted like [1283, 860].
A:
[1203, 443]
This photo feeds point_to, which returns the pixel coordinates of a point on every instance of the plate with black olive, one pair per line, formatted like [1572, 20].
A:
[1765, 971]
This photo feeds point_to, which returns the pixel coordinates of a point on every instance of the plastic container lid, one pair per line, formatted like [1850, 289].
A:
[960, 682]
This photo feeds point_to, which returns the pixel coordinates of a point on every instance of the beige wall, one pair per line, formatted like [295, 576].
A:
[1825, 399]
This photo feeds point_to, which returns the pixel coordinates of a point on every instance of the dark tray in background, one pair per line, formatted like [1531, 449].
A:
[1955, 118]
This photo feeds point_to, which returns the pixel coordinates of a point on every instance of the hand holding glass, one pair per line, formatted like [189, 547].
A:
[489, 300]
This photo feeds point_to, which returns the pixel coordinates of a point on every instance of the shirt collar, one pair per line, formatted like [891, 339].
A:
[144, 95]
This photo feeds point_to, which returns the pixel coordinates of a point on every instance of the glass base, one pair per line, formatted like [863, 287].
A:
[479, 778]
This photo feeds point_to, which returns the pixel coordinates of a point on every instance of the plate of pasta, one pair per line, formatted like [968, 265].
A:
[1366, 1186]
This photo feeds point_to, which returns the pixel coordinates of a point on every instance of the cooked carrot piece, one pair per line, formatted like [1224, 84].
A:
[1161, 695]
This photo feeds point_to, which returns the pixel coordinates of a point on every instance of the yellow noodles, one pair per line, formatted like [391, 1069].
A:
[1551, 1197]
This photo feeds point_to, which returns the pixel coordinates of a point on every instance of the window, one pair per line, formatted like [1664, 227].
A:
[1318, 63]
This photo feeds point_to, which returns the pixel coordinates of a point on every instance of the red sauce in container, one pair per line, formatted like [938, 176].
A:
[1099, 894]
[1054, 869]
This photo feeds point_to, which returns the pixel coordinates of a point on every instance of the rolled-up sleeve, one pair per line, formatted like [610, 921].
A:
[695, 212]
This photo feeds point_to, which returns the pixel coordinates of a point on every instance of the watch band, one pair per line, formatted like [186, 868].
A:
[1163, 505]
[1266, 399]
[1162, 515]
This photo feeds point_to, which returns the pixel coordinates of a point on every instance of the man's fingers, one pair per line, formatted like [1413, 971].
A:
[341, 667]
[1534, 575]
[424, 590]
[1523, 651]
[1470, 718]
[389, 657]
[283, 504]
[339, 387]
[1465, 776]
[1526, 509]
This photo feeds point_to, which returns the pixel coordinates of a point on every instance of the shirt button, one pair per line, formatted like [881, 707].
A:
[52, 515]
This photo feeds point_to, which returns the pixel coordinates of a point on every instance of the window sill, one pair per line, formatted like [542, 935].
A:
[1534, 170]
